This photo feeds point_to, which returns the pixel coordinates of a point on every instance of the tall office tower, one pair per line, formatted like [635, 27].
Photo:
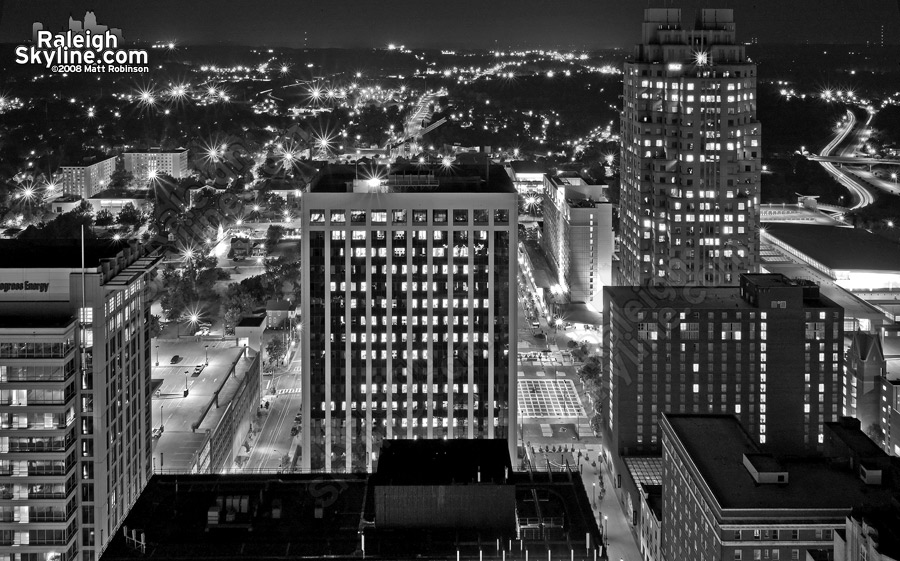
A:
[144, 163]
[89, 178]
[75, 442]
[769, 352]
[690, 154]
[578, 237]
[409, 302]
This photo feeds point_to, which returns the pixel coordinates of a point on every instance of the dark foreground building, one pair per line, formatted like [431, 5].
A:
[287, 516]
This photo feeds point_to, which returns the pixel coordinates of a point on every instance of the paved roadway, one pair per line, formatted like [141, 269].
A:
[851, 136]
[274, 440]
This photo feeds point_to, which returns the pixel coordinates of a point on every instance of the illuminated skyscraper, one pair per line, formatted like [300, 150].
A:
[690, 154]
[75, 443]
[408, 307]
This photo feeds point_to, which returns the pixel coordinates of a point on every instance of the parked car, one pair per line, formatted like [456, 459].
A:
[203, 331]
[176, 359]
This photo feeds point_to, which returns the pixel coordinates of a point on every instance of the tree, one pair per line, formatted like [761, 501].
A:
[876, 433]
[273, 235]
[237, 303]
[591, 371]
[121, 178]
[104, 218]
[67, 225]
[275, 350]
[155, 326]
[129, 216]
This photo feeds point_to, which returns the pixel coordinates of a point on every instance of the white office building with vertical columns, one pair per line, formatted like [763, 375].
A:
[408, 310]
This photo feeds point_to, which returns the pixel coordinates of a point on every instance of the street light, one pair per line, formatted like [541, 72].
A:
[207, 355]
[605, 526]
[157, 355]
[594, 494]
[186, 372]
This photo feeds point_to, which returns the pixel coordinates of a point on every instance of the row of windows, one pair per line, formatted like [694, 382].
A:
[402, 216]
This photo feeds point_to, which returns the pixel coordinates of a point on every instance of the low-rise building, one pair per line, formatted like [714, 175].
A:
[279, 314]
[66, 202]
[144, 164]
[249, 332]
[87, 178]
[527, 177]
[114, 200]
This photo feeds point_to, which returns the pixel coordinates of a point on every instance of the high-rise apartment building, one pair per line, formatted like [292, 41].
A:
[768, 352]
[690, 161]
[75, 442]
[88, 179]
[578, 237]
[142, 164]
[408, 308]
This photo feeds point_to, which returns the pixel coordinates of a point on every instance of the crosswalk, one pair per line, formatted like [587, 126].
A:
[283, 391]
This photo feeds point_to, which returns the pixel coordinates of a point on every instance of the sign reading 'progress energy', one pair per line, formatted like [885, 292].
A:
[27, 285]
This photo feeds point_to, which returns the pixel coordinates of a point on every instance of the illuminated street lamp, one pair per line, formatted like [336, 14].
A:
[207, 355]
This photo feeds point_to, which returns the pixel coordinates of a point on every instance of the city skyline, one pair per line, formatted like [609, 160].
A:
[460, 302]
[433, 24]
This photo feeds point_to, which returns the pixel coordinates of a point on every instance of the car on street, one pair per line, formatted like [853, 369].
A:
[203, 331]
[176, 359]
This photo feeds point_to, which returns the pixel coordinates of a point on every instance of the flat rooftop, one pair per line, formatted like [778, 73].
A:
[338, 178]
[840, 248]
[88, 161]
[855, 439]
[57, 254]
[274, 516]
[717, 444]
[252, 321]
[154, 151]
[521, 166]
[121, 194]
[442, 462]
[698, 298]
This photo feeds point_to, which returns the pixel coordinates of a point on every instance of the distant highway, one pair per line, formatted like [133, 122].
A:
[861, 194]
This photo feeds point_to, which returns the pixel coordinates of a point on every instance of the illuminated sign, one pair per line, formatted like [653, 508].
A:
[39, 286]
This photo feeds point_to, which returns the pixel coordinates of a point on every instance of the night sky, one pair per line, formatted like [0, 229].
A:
[446, 23]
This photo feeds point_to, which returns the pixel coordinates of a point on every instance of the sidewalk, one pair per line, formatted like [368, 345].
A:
[619, 536]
